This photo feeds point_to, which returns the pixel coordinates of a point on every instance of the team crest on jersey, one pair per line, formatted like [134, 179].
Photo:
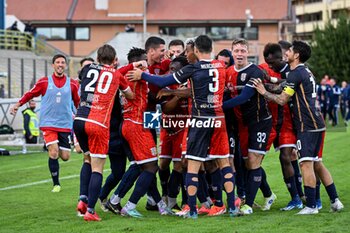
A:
[243, 77]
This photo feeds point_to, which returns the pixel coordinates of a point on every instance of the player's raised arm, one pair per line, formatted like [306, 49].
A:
[280, 99]
[160, 81]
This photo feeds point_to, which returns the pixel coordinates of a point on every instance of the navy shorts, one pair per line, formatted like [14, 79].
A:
[309, 145]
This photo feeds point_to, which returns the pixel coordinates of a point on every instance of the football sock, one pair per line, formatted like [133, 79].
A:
[164, 178]
[264, 186]
[253, 184]
[298, 178]
[153, 191]
[216, 179]
[85, 175]
[202, 187]
[292, 189]
[183, 189]
[128, 180]
[141, 187]
[332, 192]
[174, 184]
[94, 188]
[54, 168]
[228, 180]
[192, 187]
[310, 194]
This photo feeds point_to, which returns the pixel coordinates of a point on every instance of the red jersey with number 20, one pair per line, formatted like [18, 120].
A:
[99, 85]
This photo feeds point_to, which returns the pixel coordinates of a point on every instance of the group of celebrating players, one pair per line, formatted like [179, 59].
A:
[236, 110]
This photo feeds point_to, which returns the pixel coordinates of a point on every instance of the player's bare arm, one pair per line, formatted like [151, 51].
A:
[280, 99]
[134, 75]
[129, 94]
[180, 93]
[140, 65]
[15, 108]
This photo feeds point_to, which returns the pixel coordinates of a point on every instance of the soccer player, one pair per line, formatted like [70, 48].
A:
[225, 55]
[255, 122]
[334, 98]
[176, 47]
[99, 85]
[56, 116]
[309, 124]
[207, 84]
[284, 137]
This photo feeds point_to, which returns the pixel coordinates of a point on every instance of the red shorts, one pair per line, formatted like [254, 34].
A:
[140, 141]
[93, 139]
[63, 139]
[170, 145]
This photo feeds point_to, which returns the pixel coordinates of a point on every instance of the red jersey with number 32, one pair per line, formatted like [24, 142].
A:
[99, 85]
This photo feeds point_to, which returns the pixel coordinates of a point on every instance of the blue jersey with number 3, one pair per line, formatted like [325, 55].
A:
[207, 86]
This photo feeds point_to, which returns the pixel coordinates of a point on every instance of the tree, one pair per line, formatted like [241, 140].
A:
[331, 50]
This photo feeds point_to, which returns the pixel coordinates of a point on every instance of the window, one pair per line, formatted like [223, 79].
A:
[312, 1]
[215, 32]
[225, 33]
[310, 17]
[82, 33]
[55, 33]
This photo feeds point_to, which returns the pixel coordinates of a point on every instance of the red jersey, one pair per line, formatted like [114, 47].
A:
[275, 109]
[133, 109]
[157, 69]
[99, 85]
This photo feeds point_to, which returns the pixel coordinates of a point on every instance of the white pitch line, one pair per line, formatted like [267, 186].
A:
[41, 182]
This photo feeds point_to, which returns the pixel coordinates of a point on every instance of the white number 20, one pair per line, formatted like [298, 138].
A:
[94, 74]
[214, 86]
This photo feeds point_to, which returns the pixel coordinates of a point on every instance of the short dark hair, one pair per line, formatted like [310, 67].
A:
[181, 59]
[135, 54]
[204, 44]
[240, 41]
[106, 54]
[153, 42]
[285, 44]
[226, 53]
[303, 49]
[176, 42]
[58, 56]
[86, 59]
[272, 48]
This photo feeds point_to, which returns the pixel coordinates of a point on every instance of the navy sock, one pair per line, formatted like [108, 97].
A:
[94, 189]
[210, 189]
[310, 194]
[216, 179]
[253, 184]
[141, 187]
[183, 189]
[153, 191]
[54, 168]
[202, 187]
[128, 180]
[264, 186]
[118, 164]
[175, 181]
[164, 179]
[85, 175]
[332, 192]
[318, 187]
[227, 171]
[292, 189]
[192, 180]
[298, 178]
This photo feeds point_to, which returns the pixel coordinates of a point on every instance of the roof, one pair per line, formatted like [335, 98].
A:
[157, 10]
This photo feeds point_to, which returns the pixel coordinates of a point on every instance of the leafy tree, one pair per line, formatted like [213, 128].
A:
[331, 50]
